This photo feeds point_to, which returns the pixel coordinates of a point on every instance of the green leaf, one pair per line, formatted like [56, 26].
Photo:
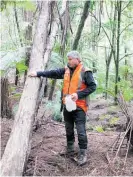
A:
[21, 66]
[2, 73]
[99, 128]
[128, 94]
[113, 120]
[109, 24]
[102, 117]
[27, 5]
[17, 95]
[12, 88]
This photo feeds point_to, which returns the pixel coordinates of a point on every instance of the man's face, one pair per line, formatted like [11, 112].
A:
[73, 62]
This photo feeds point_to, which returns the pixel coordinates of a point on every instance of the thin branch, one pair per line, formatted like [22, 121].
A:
[125, 56]
[34, 15]
[125, 28]
[17, 23]
[10, 32]
[102, 46]
[126, 6]
[103, 30]
[61, 23]
[100, 12]
[107, 11]
[69, 21]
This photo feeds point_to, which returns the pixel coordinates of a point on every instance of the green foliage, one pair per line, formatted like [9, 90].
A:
[88, 58]
[125, 70]
[113, 120]
[15, 108]
[12, 88]
[99, 128]
[109, 24]
[56, 61]
[76, 5]
[113, 109]
[127, 91]
[27, 4]
[106, 116]
[21, 66]
[128, 94]
[89, 127]
[17, 95]
[92, 5]
[2, 73]
[54, 107]
[101, 82]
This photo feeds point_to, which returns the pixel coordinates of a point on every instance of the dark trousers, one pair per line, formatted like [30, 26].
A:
[79, 118]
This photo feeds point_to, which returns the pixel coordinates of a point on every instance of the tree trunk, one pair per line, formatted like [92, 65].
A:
[52, 89]
[63, 41]
[108, 60]
[46, 88]
[28, 38]
[18, 145]
[81, 24]
[50, 44]
[126, 64]
[106, 86]
[27, 60]
[109, 57]
[6, 110]
[119, 4]
[65, 29]
[21, 43]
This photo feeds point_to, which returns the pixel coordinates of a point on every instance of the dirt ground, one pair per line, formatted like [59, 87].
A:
[48, 141]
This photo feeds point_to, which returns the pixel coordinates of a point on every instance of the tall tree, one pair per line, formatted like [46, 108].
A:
[119, 11]
[28, 17]
[6, 110]
[18, 145]
[20, 39]
[64, 17]
[112, 50]
[81, 24]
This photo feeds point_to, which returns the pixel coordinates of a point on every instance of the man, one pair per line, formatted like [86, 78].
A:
[79, 83]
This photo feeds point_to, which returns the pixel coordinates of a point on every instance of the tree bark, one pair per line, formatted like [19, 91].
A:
[46, 88]
[18, 145]
[6, 110]
[119, 5]
[81, 24]
[28, 15]
[65, 15]
[21, 43]
[109, 57]
[52, 89]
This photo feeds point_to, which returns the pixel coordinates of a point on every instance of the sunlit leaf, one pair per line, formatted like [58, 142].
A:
[99, 128]
[113, 120]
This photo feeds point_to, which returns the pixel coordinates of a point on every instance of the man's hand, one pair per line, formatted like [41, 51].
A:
[32, 74]
[74, 96]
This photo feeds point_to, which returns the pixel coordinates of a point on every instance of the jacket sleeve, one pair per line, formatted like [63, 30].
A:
[54, 74]
[91, 85]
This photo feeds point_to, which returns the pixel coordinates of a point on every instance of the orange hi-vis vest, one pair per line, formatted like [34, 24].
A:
[75, 84]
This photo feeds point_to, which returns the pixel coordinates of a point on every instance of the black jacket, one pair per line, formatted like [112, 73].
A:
[59, 74]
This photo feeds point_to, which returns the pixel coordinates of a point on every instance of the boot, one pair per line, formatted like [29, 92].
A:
[82, 159]
[70, 149]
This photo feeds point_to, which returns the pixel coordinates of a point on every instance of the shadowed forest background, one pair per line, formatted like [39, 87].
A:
[36, 36]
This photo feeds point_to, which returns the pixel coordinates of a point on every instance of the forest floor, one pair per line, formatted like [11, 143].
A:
[49, 140]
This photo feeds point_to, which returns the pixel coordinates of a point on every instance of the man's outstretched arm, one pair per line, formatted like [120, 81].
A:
[55, 74]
